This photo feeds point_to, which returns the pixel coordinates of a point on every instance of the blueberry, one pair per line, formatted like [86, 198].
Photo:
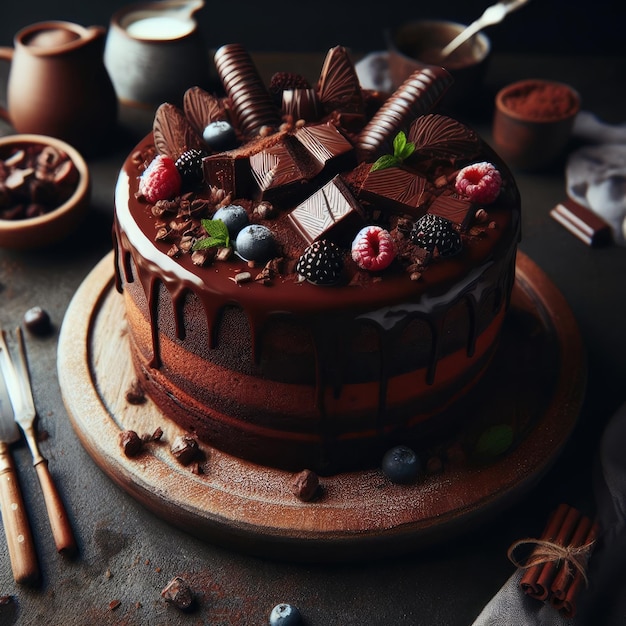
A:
[285, 615]
[255, 243]
[220, 136]
[401, 465]
[234, 216]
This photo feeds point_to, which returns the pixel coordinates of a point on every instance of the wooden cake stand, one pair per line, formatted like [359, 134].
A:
[519, 418]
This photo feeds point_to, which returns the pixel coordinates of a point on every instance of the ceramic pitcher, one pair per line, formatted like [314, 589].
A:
[58, 84]
[155, 51]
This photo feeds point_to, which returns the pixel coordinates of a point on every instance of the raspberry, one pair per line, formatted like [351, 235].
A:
[160, 180]
[321, 263]
[434, 232]
[373, 248]
[480, 182]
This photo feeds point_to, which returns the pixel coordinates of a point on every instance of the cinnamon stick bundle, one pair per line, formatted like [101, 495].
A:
[555, 569]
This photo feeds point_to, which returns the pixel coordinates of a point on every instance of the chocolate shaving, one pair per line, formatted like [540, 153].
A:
[339, 88]
[440, 136]
[201, 108]
[173, 133]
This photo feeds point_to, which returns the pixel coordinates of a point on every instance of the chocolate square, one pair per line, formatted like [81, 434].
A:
[454, 208]
[326, 144]
[397, 190]
[331, 212]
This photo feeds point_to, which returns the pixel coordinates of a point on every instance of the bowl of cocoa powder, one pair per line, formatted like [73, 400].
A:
[533, 122]
[44, 190]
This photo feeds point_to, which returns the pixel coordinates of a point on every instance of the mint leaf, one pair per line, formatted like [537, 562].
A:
[399, 142]
[402, 150]
[385, 161]
[217, 235]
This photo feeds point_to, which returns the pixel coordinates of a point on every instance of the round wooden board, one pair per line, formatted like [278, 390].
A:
[537, 379]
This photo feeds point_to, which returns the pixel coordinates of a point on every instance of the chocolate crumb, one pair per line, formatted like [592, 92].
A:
[178, 593]
[434, 465]
[135, 394]
[37, 321]
[185, 449]
[305, 485]
[131, 443]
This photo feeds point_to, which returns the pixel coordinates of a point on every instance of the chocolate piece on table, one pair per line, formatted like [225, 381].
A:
[583, 223]
[395, 189]
[252, 103]
[454, 208]
[327, 212]
[416, 96]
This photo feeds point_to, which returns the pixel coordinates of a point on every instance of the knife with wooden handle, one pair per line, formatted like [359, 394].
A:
[14, 517]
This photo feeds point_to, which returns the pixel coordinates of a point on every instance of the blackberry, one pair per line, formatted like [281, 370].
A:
[435, 232]
[321, 263]
[189, 165]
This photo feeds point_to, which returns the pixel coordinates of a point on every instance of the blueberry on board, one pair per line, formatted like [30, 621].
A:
[285, 615]
[255, 243]
[219, 136]
[234, 217]
[401, 465]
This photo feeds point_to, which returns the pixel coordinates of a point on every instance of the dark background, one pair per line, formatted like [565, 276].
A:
[541, 27]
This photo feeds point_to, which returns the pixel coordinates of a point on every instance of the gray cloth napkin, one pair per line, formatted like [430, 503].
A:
[603, 603]
[596, 173]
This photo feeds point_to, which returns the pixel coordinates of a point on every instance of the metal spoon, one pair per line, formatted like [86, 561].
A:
[492, 15]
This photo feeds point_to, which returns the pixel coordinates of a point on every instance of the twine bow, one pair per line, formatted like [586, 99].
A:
[575, 557]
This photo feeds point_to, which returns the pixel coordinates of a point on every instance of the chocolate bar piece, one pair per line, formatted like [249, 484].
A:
[328, 146]
[326, 212]
[283, 169]
[583, 223]
[454, 208]
[395, 189]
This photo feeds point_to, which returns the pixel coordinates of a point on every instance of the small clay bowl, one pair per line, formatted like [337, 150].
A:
[533, 122]
[63, 184]
[419, 43]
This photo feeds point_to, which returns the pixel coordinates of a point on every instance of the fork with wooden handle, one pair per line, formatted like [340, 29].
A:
[21, 395]
[14, 518]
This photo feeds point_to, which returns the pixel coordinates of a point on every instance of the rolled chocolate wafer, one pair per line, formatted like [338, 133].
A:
[251, 101]
[416, 96]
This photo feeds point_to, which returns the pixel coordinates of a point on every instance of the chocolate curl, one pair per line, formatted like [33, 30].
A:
[416, 96]
[251, 101]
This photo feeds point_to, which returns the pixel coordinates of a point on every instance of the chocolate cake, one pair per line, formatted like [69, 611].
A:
[313, 273]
